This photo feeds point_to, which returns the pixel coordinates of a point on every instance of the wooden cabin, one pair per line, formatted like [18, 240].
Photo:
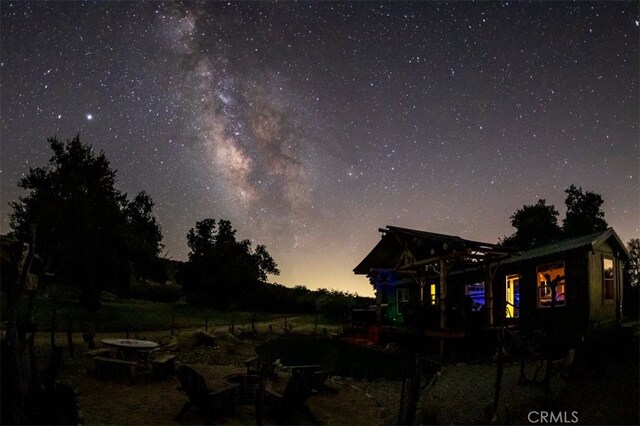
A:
[442, 283]
[589, 291]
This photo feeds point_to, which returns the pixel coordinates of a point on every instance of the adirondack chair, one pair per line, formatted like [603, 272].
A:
[294, 397]
[324, 371]
[219, 401]
[268, 354]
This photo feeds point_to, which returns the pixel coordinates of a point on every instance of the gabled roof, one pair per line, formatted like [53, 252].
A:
[408, 247]
[585, 242]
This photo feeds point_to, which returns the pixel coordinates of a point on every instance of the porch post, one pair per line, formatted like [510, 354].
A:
[378, 305]
[488, 294]
[443, 293]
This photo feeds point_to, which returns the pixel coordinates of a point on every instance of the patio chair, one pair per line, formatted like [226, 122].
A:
[266, 360]
[294, 397]
[220, 401]
[325, 371]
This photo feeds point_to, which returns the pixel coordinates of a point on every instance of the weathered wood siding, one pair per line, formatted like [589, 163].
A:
[602, 312]
[570, 321]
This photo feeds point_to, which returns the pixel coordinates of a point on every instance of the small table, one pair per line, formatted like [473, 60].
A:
[132, 349]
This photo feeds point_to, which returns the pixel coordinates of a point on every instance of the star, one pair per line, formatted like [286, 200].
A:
[342, 116]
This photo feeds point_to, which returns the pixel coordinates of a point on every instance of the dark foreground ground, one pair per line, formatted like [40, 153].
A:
[604, 390]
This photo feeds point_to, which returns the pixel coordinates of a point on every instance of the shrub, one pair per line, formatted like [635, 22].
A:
[150, 290]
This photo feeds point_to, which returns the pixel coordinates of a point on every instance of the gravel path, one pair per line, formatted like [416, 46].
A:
[464, 394]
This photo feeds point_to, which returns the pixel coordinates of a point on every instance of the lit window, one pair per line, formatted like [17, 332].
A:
[608, 277]
[433, 294]
[512, 296]
[548, 275]
[476, 292]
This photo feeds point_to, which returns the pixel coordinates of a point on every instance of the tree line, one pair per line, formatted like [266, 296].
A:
[92, 236]
[89, 235]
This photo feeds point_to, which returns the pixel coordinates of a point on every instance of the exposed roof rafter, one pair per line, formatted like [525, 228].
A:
[407, 250]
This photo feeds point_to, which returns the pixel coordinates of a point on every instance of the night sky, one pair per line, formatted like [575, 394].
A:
[310, 125]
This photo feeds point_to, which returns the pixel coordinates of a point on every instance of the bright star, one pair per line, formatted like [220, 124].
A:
[89, 117]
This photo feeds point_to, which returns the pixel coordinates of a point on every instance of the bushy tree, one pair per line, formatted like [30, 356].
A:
[535, 224]
[633, 266]
[632, 280]
[82, 223]
[335, 305]
[584, 213]
[143, 237]
[221, 270]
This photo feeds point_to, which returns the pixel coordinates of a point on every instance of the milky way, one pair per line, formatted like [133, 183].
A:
[310, 125]
[248, 130]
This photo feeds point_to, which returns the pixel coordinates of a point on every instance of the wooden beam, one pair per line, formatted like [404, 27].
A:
[404, 271]
[435, 259]
[490, 271]
[378, 306]
[485, 260]
[443, 293]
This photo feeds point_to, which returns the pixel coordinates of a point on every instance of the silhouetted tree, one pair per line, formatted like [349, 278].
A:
[79, 219]
[335, 305]
[633, 266]
[143, 237]
[535, 224]
[221, 270]
[584, 213]
[632, 279]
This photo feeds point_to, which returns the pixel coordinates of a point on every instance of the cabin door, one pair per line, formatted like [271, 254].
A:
[512, 297]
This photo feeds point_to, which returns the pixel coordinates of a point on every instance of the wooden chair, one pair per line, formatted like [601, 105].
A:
[325, 370]
[268, 357]
[163, 366]
[294, 397]
[220, 401]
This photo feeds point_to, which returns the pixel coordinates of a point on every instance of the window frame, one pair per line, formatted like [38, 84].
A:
[405, 292]
[401, 301]
[470, 288]
[516, 302]
[547, 289]
[612, 280]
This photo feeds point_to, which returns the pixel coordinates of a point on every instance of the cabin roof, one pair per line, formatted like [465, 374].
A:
[586, 242]
[410, 247]
[403, 246]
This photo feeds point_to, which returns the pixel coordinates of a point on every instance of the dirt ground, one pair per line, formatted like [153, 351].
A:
[147, 401]
[461, 394]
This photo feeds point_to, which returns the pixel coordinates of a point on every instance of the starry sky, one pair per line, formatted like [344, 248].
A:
[310, 125]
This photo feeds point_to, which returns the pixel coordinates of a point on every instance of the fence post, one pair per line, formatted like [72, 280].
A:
[69, 333]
